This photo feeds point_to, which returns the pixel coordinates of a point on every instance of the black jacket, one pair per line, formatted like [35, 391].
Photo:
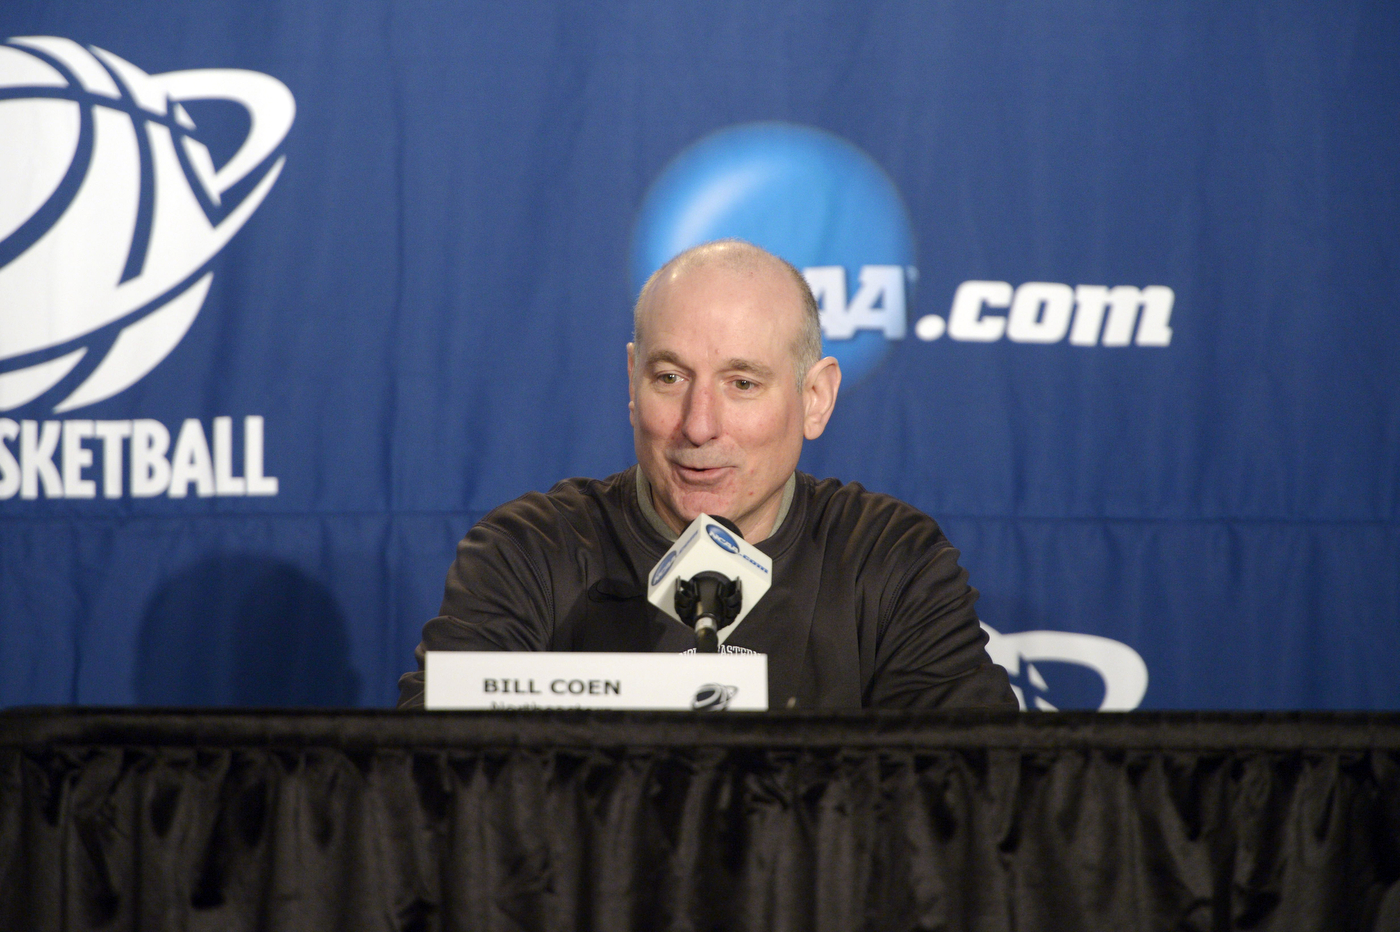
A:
[868, 608]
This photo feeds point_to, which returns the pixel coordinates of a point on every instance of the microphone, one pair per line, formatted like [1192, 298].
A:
[710, 579]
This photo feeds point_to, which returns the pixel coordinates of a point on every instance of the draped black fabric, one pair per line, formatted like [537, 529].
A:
[364, 820]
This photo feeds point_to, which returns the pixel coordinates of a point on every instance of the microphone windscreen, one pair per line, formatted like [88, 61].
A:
[708, 545]
[730, 526]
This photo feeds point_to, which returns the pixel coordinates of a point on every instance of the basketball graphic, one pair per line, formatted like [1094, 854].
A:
[111, 211]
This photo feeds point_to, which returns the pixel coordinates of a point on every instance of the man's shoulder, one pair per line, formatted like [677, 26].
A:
[835, 500]
[850, 511]
[578, 502]
[580, 532]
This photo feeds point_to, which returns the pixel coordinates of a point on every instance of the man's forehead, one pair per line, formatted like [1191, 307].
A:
[762, 286]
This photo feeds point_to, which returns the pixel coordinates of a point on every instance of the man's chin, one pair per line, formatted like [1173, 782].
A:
[687, 505]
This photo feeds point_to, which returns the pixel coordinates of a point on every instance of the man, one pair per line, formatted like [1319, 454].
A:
[868, 608]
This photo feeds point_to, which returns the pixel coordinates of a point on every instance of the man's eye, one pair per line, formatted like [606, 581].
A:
[743, 385]
[668, 378]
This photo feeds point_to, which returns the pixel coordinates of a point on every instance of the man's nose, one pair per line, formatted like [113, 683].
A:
[700, 419]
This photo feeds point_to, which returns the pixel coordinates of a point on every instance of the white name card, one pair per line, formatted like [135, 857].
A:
[559, 680]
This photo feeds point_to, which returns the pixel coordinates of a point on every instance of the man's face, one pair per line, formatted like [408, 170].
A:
[716, 412]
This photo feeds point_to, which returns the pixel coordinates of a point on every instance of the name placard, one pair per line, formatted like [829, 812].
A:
[559, 680]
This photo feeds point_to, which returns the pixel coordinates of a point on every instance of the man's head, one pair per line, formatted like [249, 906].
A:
[725, 383]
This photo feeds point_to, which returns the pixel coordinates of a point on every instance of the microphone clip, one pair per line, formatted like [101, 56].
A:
[708, 601]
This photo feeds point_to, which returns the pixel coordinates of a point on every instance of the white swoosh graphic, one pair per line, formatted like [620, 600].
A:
[1121, 668]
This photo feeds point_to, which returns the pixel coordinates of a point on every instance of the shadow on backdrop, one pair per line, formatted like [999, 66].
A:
[244, 630]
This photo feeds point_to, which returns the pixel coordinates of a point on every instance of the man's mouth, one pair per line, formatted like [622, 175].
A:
[699, 475]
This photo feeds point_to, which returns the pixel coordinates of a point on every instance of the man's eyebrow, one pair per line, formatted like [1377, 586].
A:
[733, 364]
[758, 369]
[656, 357]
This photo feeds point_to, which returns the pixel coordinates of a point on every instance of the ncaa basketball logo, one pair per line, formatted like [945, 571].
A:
[806, 195]
[663, 567]
[721, 537]
[111, 210]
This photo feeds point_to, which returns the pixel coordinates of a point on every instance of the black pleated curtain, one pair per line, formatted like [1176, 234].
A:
[348, 821]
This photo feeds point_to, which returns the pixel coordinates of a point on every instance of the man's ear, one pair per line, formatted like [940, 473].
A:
[819, 396]
[631, 391]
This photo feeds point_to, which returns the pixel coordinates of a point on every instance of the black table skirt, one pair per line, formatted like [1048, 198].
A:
[381, 820]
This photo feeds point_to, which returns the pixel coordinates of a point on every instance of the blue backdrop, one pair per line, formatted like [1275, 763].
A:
[291, 293]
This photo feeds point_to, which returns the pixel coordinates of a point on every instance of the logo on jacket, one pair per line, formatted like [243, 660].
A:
[1120, 668]
[111, 210]
[809, 196]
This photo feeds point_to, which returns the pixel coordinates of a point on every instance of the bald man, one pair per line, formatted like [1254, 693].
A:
[869, 608]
